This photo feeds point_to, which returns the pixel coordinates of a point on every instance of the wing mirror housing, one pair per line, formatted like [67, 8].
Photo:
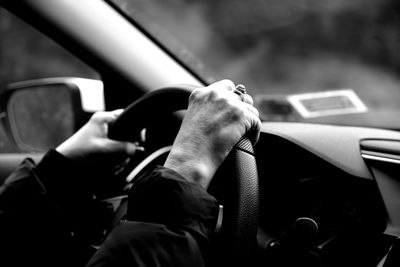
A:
[40, 114]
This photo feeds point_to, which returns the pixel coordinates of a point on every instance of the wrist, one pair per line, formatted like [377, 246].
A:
[190, 165]
[67, 149]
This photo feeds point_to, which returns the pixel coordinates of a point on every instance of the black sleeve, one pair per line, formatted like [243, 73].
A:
[43, 211]
[169, 223]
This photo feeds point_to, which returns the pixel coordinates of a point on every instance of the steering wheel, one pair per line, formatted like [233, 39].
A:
[236, 179]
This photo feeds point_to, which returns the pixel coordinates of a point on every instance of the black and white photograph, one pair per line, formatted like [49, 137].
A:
[200, 133]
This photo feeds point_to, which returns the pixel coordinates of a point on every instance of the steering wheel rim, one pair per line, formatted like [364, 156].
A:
[241, 207]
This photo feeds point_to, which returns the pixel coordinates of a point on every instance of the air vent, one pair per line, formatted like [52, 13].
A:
[381, 150]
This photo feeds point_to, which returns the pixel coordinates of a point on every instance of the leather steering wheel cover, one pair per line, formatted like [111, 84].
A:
[239, 227]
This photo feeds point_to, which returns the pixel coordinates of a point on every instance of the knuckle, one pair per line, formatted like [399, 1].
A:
[254, 110]
[228, 84]
[237, 112]
[248, 99]
[96, 116]
[223, 85]
[196, 94]
[218, 96]
[222, 100]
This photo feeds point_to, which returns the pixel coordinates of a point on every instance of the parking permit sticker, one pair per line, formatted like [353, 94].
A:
[327, 103]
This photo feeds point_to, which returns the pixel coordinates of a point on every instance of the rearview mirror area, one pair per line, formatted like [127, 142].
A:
[41, 114]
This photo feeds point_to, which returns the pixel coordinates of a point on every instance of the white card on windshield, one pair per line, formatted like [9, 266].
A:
[327, 103]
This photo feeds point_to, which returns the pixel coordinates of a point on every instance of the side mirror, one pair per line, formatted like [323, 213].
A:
[40, 114]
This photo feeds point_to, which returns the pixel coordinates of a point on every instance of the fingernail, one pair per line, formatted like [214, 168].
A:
[140, 148]
[133, 148]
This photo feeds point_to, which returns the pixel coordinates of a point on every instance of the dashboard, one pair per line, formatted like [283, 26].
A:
[345, 179]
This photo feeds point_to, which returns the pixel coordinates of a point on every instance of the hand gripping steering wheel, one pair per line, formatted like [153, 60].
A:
[237, 178]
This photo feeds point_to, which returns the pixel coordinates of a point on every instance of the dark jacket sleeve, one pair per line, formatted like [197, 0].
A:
[169, 223]
[43, 212]
[46, 209]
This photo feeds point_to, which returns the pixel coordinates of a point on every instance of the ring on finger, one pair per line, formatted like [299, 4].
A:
[240, 90]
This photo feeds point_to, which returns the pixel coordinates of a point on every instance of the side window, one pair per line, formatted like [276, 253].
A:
[26, 54]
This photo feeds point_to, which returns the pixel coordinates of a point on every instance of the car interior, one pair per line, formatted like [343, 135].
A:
[321, 194]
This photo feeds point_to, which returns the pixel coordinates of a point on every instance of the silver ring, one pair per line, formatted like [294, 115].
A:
[240, 90]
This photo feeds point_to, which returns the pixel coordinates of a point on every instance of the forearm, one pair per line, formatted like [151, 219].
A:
[65, 180]
[52, 188]
[34, 228]
[170, 220]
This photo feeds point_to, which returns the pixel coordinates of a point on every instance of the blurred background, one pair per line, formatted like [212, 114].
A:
[27, 54]
[282, 47]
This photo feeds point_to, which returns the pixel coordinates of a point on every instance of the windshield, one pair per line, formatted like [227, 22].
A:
[323, 61]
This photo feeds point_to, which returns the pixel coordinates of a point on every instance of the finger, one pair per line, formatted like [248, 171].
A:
[106, 116]
[220, 89]
[223, 84]
[253, 124]
[255, 132]
[248, 99]
[245, 98]
[121, 147]
[117, 112]
[253, 110]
